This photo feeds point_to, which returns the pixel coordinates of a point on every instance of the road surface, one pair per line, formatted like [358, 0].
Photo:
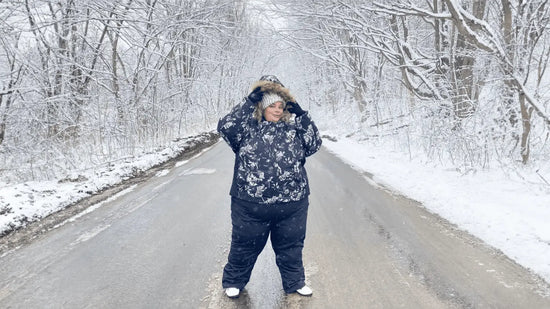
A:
[163, 244]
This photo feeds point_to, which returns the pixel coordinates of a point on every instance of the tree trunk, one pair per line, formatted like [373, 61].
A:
[511, 90]
[526, 112]
[463, 77]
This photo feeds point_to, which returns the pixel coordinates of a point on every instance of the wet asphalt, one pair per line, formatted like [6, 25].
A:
[163, 244]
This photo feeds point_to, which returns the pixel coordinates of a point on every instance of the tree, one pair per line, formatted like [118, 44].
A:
[90, 82]
[444, 50]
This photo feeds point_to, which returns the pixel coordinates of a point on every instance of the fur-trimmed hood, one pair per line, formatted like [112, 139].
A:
[268, 86]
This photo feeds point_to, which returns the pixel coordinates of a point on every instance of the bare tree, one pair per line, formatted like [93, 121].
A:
[9, 81]
[96, 81]
[444, 50]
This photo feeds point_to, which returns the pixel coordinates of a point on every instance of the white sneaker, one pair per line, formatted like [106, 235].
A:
[232, 292]
[305, 291]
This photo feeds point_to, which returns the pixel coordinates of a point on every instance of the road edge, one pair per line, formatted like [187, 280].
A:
[33, 230]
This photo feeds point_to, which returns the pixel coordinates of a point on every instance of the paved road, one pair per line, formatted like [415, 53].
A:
[163, 243]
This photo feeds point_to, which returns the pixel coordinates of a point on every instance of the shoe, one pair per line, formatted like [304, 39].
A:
[305, 291]
[232, 292]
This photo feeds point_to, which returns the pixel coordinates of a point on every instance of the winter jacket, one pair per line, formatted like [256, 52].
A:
[269, 156]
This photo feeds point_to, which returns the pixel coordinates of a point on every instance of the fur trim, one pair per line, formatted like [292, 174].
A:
[271, 87]
[279, 90]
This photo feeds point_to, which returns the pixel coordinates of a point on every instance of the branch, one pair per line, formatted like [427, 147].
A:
[532, 101]
[464, 22]
[401, 10]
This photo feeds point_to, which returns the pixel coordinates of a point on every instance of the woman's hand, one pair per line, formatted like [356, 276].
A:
[257, 95]
[294, 108]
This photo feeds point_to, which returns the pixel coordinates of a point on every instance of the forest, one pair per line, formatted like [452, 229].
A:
[85, 83]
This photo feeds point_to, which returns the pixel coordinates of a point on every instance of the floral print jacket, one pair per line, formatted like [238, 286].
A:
[269, 156]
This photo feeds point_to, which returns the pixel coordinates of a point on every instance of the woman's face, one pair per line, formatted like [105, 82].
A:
[274, 112]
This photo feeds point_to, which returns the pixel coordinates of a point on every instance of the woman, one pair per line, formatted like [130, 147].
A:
[269, 193]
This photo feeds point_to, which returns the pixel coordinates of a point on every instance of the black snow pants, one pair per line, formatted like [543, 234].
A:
[252, 224]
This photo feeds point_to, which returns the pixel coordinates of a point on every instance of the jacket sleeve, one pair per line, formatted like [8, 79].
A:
[233, 126]
[309, 133]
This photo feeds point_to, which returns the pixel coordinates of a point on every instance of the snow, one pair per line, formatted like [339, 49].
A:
[91, 234]
[21, 203]
[507, 211]
[180, 163]
[97, 205]
[162, 173]
[198, 171]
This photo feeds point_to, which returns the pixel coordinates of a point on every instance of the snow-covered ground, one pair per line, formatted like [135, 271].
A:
[30, 201]
[505, 210]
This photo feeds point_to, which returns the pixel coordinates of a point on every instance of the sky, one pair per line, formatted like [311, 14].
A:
[506, 210]
[267, 13]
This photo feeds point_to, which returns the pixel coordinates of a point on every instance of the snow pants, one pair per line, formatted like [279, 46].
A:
[252, 224]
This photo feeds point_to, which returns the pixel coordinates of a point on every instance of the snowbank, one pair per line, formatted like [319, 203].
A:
[22, 203]
[506, 211]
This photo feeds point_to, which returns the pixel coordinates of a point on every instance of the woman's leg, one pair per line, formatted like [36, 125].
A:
[287, 238]
[249, 236]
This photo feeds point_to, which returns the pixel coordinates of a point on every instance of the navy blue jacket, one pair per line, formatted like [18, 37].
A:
[269, 156]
